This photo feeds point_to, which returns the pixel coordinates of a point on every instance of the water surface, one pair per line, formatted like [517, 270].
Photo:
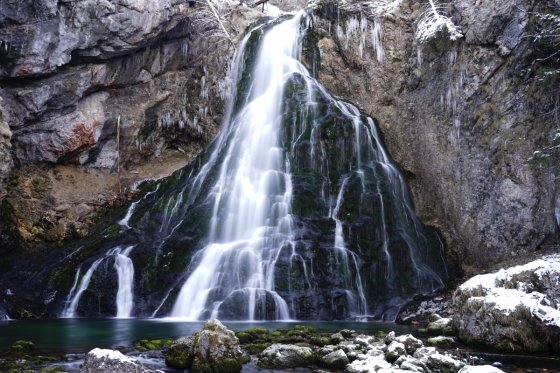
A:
[81, 335]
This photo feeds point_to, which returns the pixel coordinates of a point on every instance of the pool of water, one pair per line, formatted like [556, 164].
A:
[81, 335]
[76, 336]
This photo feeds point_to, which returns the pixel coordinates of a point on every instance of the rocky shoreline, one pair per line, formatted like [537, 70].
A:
[513, 310]
[215, 349]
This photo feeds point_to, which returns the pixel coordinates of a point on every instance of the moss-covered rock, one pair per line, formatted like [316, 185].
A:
[254, 335]
[154, 344]
[22, 346]
[215, 349]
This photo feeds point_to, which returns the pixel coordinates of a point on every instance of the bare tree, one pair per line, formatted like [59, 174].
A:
[434, 23]
[210, 18]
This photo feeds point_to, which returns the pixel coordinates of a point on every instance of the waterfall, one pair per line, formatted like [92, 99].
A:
[125, 273]
[124, 221]
[295, 211]
[73, 298]
[251, 220]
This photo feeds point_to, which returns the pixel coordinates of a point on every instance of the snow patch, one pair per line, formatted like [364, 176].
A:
[111, 355]
[492, 286]
[480, 369]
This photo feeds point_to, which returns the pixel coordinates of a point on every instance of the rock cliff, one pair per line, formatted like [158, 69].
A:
[463, 117]
[92, 92]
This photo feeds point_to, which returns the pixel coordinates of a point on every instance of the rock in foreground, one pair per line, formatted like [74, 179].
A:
[111, 361]
[515, 309]
[279, 356]
[215, 349]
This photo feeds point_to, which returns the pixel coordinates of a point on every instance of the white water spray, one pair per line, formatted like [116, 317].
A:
[251, 221]
[125, 273]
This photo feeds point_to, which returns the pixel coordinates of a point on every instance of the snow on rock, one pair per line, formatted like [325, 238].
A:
[507, 290]
[513, 309]
[433, 25]
[480, 369]
[110, 361]
[368, 364]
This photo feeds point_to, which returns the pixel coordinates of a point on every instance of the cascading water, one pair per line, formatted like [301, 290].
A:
[251, 220]
[125, 273]
[296, 211]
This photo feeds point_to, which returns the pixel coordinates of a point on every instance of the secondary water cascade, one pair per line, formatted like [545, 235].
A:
[125, 273]
[296, 211]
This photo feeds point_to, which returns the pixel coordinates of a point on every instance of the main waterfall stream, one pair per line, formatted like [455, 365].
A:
[296, 211]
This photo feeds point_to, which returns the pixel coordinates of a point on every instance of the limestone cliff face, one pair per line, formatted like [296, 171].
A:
[463, 118]
[6, 162]
[89, 84]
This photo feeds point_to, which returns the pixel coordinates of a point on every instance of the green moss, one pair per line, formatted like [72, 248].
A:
[320, 341]
[256, 348]
[178, 357]
[154, 344]
[54, 369]
[224, 366]
[22, 346]
[380, 334]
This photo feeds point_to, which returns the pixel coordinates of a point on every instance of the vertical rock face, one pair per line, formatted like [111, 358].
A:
[40, 36]
[101, 86]
[87, 63]
[463, 118]
[5, 153]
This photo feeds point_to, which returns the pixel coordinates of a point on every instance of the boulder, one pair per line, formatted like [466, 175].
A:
[390, 337]
[347, 333]
[22, 346]
[394, 351]
[411, 343]
[364, 340]
[439, 325]
[411, 364]
[336, 338]
[215, 349]
[515, 309]
[180, 353]
[423, 352]
[441, 341]
[111, 361]
[443, 363]
[279, 356]
[335, 360]
[367, 364]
